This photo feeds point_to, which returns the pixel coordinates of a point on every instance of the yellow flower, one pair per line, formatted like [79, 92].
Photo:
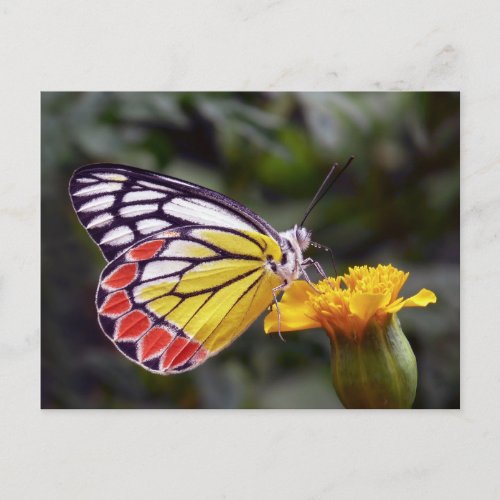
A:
[347, 304]
[373, 365]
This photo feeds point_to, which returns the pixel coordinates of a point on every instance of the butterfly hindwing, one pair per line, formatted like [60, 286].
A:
[120, 206]
[181, 295]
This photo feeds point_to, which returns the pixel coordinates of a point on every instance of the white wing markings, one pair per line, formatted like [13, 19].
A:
[148, 226]
[134, 210]
[85, 180]
[112, 177]
[142, 195]
[102, 187]
[159, 268]
[200, 211]
[118, 236]
[96, 204]
[101, 220]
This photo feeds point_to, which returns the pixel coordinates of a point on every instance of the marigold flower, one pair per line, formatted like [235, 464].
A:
[372, 361]
[345, 304]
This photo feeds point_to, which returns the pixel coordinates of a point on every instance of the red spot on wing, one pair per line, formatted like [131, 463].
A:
[154, 343]
[121, 276]
[185, 355]
[145, 250]
[116, 304]
[132, 326]
[179, 352]
[173, 349]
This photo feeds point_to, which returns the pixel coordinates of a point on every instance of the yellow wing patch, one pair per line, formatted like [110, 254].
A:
[210, 275]
[155, 289]
[223, 291]
[232, 242]
[242, 314]
[162, 306]
[217, 308]
[184, 312]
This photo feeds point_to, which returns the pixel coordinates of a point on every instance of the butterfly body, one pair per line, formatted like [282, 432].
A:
[292, 243]
[188, 268]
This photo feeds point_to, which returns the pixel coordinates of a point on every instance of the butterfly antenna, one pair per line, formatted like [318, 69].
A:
[329, 181]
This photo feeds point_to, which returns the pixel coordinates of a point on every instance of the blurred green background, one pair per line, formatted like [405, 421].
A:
[397, 203]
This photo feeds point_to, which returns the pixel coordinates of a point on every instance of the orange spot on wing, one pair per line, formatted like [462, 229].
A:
[154, 343]
[121, 277]
[132, 326]
[185, 355]
[179, 352]
[173, 349]
[145, 250]
[116, 303]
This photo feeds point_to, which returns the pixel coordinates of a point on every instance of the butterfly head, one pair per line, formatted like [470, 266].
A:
[293, 243]
[302, 237]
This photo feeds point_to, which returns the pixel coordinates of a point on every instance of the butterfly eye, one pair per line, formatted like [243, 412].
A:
[303, 237]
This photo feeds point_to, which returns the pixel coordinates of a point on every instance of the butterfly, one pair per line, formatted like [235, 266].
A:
[188, 269]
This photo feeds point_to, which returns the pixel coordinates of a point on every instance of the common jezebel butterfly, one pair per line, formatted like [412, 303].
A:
[188, 270]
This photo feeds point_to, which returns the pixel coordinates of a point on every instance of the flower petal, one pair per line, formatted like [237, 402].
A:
[292, 319]
[421, 299]
[295, 310]
[399, 281]
[365, 305]
[297, 293]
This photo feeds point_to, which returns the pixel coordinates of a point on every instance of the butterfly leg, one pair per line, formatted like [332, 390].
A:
[327, 249]
[310, 262]
[276, 291]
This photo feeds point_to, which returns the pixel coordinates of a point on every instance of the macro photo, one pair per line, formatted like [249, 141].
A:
[250, 250]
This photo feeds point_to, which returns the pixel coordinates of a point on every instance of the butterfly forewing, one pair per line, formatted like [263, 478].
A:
[181, 295]
[120, 206]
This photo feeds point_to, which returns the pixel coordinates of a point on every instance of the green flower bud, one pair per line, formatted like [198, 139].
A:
[375, 370]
